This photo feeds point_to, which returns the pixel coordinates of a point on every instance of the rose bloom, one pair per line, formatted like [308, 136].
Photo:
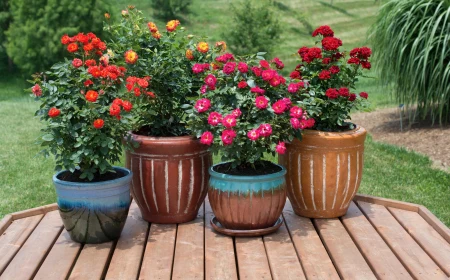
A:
[236, 112]
[323, 30]
[91, 95]
[156, 35]
[261, 102]
[65, 39]
[203, 47]
[257, 90]
[307, 123]
[72, 47]
[207, 138]
[228, 68]
[295, 123]
[296, 112]
[279, 107]
[151, 94]
[344, 92]
[293, 87]
[98, 123]
[228, 136]
[137, 91]
[204, 89]
[202, 105]
[257, 71]
[332, 93]
[324, 75]
[172, 25]
[276, 81]
[267, 75]
[88, 83]
[142, 83]
[253, 134]
[334, 69]
[210, 80]
[287, 101]
[189, 54]
[366, 65]
[37, 91]
[353, 60]
[127, 106]
[365, 52]
[221, 45]
[364, 95]
[229, 121]
[131, 57]
[278, 63]
[331, 43]
[53, 112]
[77, 62]
[117, 101]
[326, 60]
[152, 27]
[265, 130]
[90, 62]
[352, 97]
[225, 58]
[114, 110]
[242, 84]
[295, 75]
[200, 67]
[88, 47]
[264, 64]
[242, 67]
[280, 148]
[214, 118]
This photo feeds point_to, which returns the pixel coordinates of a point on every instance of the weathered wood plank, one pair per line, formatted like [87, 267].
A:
[387, 202]
[251, 258]
[159, 252]
[283, 260]
[414, 259]
[379, 256]
[13, 238]
[5, 222]
[35, 211]
[425, 235]
[32, 254]
[60, 260]
[435, 223]
[92, 261]
[220, 260]
[126, 261]
[346, 257]
[189, 249]
[313, 255]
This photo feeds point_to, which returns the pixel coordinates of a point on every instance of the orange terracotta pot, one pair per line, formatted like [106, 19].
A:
[324, 171]
[170, 177]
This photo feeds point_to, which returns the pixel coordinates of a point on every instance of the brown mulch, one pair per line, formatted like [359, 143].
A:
[421, 137]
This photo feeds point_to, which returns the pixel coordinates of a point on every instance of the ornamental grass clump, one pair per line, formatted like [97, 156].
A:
[159, 63]
[85, 116]
[324, 81]
[242, 111]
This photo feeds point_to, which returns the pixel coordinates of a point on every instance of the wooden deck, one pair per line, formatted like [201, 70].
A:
[378, 238]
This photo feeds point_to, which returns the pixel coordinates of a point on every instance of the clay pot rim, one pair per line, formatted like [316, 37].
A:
[256, 178]
[162, 138]
[357, 130]
[107, 184]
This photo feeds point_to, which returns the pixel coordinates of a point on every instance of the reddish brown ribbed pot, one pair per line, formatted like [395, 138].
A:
[247, 202]
[324, 171]
[170, 177]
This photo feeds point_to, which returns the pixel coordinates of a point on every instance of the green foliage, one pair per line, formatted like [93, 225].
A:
[5, 19]
[37, 26]
[253, 28]
[170, 9]
[411, 47]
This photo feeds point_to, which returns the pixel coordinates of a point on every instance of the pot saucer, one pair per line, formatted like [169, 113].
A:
[245, 233]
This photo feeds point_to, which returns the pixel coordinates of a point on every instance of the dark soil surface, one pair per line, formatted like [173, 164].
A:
[75, 177]
[260, 168]
[421, 137]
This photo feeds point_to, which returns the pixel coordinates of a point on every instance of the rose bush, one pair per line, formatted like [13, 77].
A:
[323, 82]
[242, 111]
[85, 116]
[159, 63]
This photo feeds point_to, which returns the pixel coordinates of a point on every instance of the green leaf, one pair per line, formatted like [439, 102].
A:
[48, 137]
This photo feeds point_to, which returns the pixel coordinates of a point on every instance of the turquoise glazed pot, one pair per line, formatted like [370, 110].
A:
[247, 202]
[94, 212]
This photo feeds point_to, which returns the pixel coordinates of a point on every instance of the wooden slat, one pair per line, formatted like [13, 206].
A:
[428, 238]
[251, 258]
[414, 259]
[159, 252]
[92, 261]
[60, 260]
[387, 202]
[32, 254]
[220, 260]
[14, 237]
[346, 257]
[313, 255]
[129, 251]
[35, 211]
[5, 222]
[283, 260]
[383, 262]
[435, 223]
[189, 249]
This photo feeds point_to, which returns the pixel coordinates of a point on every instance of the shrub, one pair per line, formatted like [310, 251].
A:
[170, 9]
[33, 36]
[254, 29]
[411, 49]
[5, 19]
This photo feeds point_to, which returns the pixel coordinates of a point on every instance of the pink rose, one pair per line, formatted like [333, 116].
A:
[214, 118]
[265, 130]
[261, 102]
[207, 138]
[280, 148]
[229, 121]
[253, 134]
[228, 136]
[202, 105]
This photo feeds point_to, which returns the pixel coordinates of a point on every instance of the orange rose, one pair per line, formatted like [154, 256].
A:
[203, 47]
[98, 123]
[152, 27]
[91, 95]
[189, 54]
[53, 112]
[156, 35]
[72, 47]
[131, 57]
[172, 25]
[221, 46]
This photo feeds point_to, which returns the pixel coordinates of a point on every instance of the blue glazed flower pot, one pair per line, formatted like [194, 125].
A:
[247, 202]
[94, 212]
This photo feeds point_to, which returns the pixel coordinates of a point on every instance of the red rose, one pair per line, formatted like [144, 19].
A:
[91, 95]
[353, 60]
[65, 39]
[72, 47]
[242, 84]
[278, 63]
[242, 67]
[268, 75]
[257, 71]
[364, 95]
[77, 62]
[354, 52]
[151, 94]
[326, 60]
[264, 64]
[295, 75]
[324, 75]
[53, 112]
[334, 69]
[98, 123]
[332, 93]
[36, 89]
[331, 43]
[229, 67]
[114, 110]
[352, 97]
[344, 92]
[365, 52]
[127, 106]
[366, 64]
[90, 62]
[323, 30]
[88, 83]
